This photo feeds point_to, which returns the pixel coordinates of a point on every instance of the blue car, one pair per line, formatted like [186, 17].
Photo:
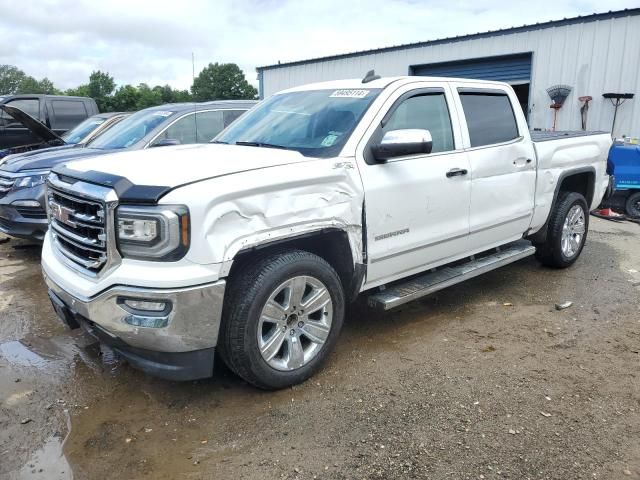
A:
[22, 177]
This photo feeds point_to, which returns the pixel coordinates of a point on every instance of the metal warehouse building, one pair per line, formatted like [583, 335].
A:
[593, 54]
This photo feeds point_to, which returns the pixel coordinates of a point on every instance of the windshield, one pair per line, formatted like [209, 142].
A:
[130, 130]
[77, 134]
[313, 122]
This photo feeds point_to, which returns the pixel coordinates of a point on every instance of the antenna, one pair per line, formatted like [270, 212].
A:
[193, 81]
[370, 76]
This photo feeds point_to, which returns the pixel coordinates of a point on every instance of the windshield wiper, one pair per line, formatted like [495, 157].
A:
[219, 141]
[261, 144]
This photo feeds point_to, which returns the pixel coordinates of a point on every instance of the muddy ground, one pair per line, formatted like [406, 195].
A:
[483, 380]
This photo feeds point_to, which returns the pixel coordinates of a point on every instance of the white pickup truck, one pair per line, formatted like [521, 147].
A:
[252, 246]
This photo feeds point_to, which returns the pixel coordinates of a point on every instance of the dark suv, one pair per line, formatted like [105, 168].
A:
[59, 113]
[22, 177]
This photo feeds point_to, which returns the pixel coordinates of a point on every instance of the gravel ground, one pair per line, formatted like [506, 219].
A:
[484, 380]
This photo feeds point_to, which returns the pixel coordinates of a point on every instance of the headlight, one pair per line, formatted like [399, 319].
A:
[159, 233]
[31, 181]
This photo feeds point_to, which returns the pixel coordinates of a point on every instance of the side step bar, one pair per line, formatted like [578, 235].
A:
[401, 293]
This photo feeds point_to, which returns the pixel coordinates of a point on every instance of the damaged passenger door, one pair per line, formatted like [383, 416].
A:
[417, 205]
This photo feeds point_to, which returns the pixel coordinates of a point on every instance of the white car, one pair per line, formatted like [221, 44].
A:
[386, 187]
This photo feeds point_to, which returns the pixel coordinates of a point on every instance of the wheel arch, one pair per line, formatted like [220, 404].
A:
[331, 244]
[580, 180]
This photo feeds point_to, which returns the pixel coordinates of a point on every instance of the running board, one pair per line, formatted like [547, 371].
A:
[444, 277]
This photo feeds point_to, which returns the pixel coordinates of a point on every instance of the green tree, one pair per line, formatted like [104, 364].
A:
[79, 91]
[125, 99]
[100, 88]
[169, 95]
[222, 81]
[47, 87]
[28, 85]
[10, 79]
[148, 97]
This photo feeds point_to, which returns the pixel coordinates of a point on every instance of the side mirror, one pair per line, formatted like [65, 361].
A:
[166, 142]
[398, 143]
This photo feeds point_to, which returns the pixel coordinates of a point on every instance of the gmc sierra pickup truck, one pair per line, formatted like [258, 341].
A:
[389, 188]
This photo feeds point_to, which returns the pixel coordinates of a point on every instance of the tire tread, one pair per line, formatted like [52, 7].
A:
[241, 290]
[548, 253]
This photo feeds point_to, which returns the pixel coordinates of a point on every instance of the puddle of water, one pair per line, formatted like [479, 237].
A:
[48, 463]
[19, 354]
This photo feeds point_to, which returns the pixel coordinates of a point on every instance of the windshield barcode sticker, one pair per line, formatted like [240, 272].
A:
[349, 94]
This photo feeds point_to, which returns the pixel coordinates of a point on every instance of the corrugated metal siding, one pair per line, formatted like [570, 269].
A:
[514, 68]
[594, 58]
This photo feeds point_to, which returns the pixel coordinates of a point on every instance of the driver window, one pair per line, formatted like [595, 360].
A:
[426, 112]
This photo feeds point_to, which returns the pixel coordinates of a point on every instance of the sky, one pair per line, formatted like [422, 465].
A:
[152, 41]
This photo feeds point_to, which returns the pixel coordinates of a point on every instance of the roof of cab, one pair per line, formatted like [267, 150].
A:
[356, 83]
[181, 107]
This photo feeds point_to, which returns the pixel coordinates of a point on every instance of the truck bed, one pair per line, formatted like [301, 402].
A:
[545, 136]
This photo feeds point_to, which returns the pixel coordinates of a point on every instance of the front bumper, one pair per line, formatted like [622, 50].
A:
[180, 348]
[24, 222]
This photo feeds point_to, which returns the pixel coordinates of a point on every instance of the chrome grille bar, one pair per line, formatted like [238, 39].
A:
[81, 224]
[6, 183]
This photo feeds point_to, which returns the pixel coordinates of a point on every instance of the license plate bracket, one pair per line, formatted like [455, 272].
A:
[63, 312]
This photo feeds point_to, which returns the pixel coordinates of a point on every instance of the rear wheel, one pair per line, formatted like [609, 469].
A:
[282, 319]
[567, 231]
[632, 207]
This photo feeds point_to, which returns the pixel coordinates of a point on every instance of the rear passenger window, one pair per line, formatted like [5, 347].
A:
[68, 113]
[427, 112]
[490, 118]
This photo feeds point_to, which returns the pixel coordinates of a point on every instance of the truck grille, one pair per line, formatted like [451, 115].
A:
[79, 226]
[6, 183]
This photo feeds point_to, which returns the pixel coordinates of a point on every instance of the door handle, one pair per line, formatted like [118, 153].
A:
[456, 172]
[521, 162]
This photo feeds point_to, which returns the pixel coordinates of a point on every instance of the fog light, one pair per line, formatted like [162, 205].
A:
[145, 305]
[26, 203]
[149, 322]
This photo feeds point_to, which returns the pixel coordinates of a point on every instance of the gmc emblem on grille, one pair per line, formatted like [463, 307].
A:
[61, 214]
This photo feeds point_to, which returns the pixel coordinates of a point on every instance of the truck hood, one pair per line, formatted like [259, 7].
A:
[37, 127]
[183, 164]
[43, 160]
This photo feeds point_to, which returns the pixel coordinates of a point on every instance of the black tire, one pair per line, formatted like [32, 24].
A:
[248, 292]
[632, 206]
[550, 252]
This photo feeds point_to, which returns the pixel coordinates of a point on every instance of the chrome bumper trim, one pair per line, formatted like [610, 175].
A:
[192, 324]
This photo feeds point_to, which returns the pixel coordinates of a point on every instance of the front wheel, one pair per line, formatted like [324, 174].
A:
[567, 231]
[281, 319]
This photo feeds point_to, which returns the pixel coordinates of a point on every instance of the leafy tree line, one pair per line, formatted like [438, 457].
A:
[216, 81]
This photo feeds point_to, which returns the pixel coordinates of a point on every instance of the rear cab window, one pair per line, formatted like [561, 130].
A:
[490, 116]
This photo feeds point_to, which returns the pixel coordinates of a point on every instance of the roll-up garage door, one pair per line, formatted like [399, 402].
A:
[511, 68]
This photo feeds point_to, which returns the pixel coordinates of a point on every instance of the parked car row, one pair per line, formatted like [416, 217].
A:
[78, 136]
[22, 176]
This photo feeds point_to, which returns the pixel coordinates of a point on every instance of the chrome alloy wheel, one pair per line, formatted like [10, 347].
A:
[573, 231]
[295, 323]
